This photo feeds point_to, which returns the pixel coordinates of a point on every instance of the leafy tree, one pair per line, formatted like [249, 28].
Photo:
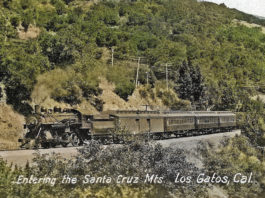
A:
[60, 49]
[106, 37]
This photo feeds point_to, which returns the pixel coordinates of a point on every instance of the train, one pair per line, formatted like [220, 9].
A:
[70, 127]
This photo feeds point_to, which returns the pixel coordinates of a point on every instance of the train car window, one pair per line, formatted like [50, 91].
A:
[227, 119]
[179, 121]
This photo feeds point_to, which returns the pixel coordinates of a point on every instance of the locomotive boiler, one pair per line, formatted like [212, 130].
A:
[71, 127]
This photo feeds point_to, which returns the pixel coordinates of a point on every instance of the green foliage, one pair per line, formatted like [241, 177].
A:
[252, 121]
[72, 86]
[19, 66]
[122, 77]
[215, 63]
[124, 89]
[190, 83]
[106, 38]
[60, 49]
[238, 156]
[136, 159]
[221, 56]
[170, 98]
[173, 52]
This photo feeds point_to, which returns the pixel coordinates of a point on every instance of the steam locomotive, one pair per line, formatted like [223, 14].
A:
[70, 127]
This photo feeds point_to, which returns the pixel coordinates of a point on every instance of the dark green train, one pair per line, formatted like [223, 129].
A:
[71, 127]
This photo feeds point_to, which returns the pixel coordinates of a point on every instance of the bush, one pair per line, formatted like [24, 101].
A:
[237, 156]
[135, 160]
[124, 89]
[122, 76]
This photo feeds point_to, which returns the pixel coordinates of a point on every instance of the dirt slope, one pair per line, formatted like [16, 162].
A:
[11, 127]
[135, 102]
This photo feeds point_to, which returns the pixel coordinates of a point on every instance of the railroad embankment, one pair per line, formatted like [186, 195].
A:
[189, 144]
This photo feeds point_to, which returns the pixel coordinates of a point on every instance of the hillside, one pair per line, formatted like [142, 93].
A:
[209, 56]
[56, 52]
[86, 54]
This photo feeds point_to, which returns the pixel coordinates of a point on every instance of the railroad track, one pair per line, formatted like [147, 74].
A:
[36, 149]
[21, 157]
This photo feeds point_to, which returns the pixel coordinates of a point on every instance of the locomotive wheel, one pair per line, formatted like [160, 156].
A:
[53, 144]
[37, 145]
[75, 140]
[156, 137]
[166, 136]
[66, 139]
[45, 145]
[104, 141]
[65, 144]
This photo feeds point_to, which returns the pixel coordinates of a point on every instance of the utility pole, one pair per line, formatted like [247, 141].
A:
[112, 58]
[137, 72]
[167, 65]
[139, 59]
[167, 76]
[147, 78]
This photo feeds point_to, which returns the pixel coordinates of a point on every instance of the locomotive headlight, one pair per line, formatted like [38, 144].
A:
[26, 129]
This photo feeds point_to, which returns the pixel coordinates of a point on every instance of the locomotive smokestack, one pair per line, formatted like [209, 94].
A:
[37, 109]
[57, 109]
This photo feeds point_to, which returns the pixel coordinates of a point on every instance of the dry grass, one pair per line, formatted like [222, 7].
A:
[31, 33]
[135, 102]
[260, 96]
[11, 127]
[111, 100]
[250, 25]
[47, 83]
[85, 5]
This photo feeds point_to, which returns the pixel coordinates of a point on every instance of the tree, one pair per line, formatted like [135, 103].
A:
[191, 84]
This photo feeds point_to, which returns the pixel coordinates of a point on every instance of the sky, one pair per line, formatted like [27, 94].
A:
[254, 7]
